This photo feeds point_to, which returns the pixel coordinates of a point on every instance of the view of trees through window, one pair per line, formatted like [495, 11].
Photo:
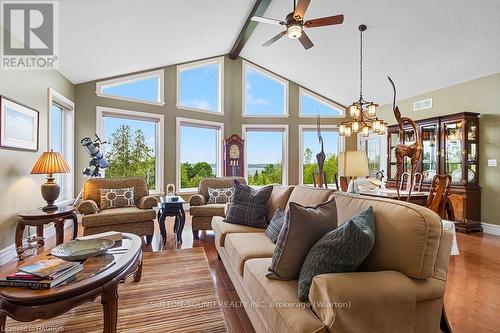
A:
[131, 149]
[373, 153]
[265, 157]
[199, 154]
[311, 147]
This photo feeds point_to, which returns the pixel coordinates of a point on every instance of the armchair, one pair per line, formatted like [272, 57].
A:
[202, 212]
[138, 219]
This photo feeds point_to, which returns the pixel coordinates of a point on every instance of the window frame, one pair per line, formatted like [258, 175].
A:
[68, 107]
[322, 100]
[160, 73]
[191, 122]
[271, 76]
[197, 64]
[268, 128]
[102, 112]
[361, 145]
[312, 128]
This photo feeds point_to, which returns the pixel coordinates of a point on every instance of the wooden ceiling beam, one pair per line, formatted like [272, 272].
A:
[258, 10]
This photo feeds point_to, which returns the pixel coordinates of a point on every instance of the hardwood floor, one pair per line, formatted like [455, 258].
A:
[472, 298]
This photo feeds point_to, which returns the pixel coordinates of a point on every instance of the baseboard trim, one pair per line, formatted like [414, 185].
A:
[8, 253]
[492, 229]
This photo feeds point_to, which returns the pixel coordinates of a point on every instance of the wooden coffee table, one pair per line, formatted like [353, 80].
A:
[100, 277]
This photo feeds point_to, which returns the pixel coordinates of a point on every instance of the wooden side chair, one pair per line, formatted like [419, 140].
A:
[342, 183]
[405, 182]
[438, 194]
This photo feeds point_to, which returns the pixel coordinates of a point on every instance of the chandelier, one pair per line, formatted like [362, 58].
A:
[362, 115]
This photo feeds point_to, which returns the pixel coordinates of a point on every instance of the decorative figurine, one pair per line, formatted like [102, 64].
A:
[319, 175]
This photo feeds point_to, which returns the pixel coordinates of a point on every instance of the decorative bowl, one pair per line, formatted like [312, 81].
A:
[174, 198]
[78, 250]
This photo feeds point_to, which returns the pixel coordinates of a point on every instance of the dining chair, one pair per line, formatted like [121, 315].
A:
[438, 194]
[405, 182]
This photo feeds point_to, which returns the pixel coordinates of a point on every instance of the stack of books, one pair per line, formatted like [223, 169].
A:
[42, 274]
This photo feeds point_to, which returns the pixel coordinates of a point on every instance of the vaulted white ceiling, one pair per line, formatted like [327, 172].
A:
[423, 45]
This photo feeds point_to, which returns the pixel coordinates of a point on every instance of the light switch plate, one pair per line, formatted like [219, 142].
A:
[492, 163]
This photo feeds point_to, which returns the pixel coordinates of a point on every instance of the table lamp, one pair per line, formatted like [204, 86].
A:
[353, 164]
[49, 163]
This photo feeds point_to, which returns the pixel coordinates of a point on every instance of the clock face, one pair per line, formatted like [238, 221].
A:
[234, 152]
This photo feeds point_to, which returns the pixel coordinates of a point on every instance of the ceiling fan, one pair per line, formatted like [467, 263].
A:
[295, 24]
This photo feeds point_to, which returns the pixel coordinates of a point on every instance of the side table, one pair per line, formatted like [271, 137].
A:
[167, 207]
[38, 218]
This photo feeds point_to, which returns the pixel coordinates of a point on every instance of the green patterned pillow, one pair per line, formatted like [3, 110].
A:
[340, 250]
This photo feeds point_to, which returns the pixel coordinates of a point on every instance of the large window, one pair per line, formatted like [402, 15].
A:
[199, 85]
[312, 105]
[134, 146]
[264, 94]
[310, 146]
[61, 139]
[266, 154]
[144, 87]
[199, 151]
[375, 147]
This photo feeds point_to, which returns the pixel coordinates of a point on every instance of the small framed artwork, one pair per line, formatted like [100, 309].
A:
[18, 126]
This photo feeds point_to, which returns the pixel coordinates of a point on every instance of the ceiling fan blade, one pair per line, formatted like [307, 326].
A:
[300, 9]
[320, 22]
[274, 39]
[267, 20]
[305, 41]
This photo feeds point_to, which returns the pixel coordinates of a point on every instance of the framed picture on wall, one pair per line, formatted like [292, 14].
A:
[18, 126]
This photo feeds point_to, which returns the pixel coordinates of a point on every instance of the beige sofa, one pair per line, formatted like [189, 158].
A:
[138, 220]
[200, 211]
[399, 287]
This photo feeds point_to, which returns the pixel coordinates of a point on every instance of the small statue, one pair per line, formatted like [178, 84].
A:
[413, 151]
[319, 175]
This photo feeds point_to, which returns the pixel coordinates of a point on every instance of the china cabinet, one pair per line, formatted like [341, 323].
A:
[451, 146]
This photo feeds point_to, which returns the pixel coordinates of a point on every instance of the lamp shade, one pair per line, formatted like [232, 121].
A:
[50, 162]
[353, 164]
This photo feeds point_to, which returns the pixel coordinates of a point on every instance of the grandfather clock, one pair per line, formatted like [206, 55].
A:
[233, 156]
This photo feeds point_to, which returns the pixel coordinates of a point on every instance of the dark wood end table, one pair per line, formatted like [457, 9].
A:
[167, 207]
[100, 277]
[38, 218]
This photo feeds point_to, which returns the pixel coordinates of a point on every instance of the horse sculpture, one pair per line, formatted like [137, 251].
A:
[413, 151]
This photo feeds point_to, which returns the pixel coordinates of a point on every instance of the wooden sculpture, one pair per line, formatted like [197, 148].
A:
[319, 176]
[412, 151]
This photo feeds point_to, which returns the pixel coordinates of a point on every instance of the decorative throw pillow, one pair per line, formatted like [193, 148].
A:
[117, 197]
[340, 250]
[274, 228]
[303, 227]
[278, 199]
[248, 206]
[220, 195]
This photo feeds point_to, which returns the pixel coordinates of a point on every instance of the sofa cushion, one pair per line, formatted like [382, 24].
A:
[274, 228]
[281, 308]
[309, 196]
[117, 197]
[303, 227]
[221, 229]
[418, 231]
[92, 186]
[216, 182]
[340, 250]
[207, 210]
[118, 216]
[249, 206]
[220, 195]
[278, 199]
[242, 247]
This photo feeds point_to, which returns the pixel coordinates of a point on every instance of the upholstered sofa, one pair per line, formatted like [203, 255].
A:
[200, 211]
[138, 220]
[399, 287]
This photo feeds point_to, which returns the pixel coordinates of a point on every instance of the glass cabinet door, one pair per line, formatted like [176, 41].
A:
[430, 153]
[393, 141]
[454, 150]
[472, 152]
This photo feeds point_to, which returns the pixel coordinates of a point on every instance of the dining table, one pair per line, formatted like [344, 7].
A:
[416, 197]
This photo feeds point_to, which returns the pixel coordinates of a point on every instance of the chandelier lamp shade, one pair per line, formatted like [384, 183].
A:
[361, 115]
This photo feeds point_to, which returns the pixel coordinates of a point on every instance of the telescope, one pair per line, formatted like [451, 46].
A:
[97, 160]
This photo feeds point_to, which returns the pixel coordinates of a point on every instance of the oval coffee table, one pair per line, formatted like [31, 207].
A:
[100, 277]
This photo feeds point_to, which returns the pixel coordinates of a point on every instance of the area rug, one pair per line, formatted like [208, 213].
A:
[176, 294]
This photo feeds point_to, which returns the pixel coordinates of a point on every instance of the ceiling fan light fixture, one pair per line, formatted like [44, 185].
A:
[294, 31]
